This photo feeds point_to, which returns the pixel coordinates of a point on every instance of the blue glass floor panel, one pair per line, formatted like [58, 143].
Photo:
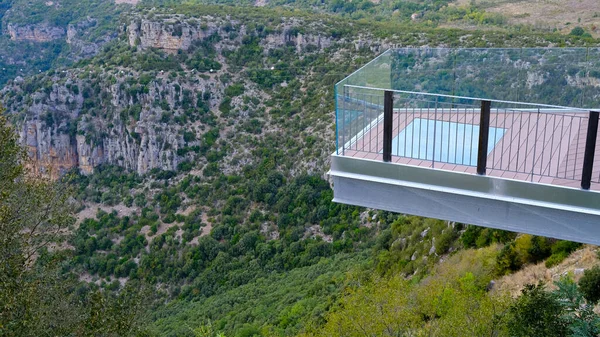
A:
[448, 142]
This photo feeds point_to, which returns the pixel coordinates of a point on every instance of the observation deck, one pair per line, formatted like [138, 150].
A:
[501, 138]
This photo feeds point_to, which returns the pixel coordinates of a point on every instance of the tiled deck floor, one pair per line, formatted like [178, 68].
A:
[545, 148]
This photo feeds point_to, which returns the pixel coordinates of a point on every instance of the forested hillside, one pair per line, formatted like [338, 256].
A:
[195, 139]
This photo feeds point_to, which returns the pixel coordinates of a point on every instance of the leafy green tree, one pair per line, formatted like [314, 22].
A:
[462, 308]
[579, 315]
[539, 250]
[451, 302]
[590, 284]
[380, 308]
[207, 330]
[32, 214]
[36, 297]
[577, 31]
[537, 313]
[508, 260]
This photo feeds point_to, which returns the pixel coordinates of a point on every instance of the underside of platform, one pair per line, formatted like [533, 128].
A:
[515, 205]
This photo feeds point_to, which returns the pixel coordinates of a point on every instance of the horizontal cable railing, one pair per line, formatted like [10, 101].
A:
[538, 143]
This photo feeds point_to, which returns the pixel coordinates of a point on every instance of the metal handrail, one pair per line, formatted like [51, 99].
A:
[577, 110]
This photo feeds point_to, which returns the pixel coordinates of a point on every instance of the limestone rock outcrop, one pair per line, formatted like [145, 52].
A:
[36, 33]
[170, 34]
[85, 117]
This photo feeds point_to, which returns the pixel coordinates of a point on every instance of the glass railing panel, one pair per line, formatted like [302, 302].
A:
[540, 99]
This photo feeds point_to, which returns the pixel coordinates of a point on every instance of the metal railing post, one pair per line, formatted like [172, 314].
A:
[590, 149]
[484, 134]
[388, 111]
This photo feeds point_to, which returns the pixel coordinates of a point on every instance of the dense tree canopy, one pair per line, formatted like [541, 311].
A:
[36, 297]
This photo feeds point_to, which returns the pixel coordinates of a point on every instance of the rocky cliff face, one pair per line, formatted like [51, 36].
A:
[52, 152]
[298, 40]
[170, 34]
[36, 33]
[64, 127]
[94, 115]
[78, 37]
[173, 32]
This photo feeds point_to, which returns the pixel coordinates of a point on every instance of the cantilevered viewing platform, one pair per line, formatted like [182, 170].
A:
[502, 138]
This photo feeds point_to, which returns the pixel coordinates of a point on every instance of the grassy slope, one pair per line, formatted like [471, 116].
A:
[277, 302]
[585, 258]
[563, 15]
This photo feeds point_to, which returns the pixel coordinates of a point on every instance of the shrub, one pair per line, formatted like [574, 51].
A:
[539, 250]
[128, 201]
[469, 237]
[189, 136]
[225, 106]
[234, 90]
[565, 246]
[590, 284]
[577, 31]
[560, 251]
[523, 245]
[480, 237]
[185, 166]
[532, 249]
[445, 242]
[508, 260]
[555, 259]
[536, 313]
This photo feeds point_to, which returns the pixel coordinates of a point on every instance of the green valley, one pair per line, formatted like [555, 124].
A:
[189, 143]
